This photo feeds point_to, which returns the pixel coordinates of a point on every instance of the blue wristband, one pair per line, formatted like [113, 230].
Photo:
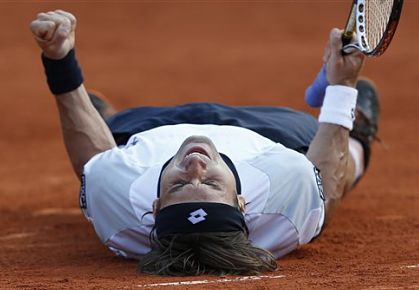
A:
[314, 95]
[63, 75]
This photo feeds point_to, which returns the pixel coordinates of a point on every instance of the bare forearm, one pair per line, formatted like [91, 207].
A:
[329, 153]
[329, 150]
[85, 132]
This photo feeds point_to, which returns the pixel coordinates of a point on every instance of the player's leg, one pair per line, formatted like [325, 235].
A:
[364, 131]
[291, 128]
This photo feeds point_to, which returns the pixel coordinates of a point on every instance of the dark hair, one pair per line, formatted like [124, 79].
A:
[213, 253]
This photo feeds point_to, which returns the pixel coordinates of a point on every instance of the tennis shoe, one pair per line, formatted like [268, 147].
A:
[367, 115]
[101, 104]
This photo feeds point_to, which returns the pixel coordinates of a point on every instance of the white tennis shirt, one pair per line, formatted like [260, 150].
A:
[285, 206]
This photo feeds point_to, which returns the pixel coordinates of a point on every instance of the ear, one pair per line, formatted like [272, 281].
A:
[156, 206]
[242, 203]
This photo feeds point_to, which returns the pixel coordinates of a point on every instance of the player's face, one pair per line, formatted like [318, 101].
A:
[197, 173]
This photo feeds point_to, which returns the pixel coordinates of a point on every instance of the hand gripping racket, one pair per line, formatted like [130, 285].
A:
[375, 22]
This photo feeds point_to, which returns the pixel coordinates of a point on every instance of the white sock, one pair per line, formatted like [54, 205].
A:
[357, 152]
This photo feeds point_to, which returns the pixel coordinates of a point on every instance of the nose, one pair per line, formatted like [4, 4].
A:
[195, 168]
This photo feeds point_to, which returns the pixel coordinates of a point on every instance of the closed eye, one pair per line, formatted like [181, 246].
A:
[178, 184]
[214, 184]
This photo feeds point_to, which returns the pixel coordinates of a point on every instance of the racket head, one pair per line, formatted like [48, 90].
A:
[376, 24]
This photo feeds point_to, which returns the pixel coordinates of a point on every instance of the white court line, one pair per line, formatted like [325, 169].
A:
[394, 288]
[57, 211]
[199, 282]
[412, 266]
[16, 236]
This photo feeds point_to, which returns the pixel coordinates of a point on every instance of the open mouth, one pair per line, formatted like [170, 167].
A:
[198, 151]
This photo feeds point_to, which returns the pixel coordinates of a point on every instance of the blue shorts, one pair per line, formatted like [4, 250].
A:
[291, 128]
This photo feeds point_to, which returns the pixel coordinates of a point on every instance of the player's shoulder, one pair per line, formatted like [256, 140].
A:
[278, 159]
[292, 177]
[295, 191]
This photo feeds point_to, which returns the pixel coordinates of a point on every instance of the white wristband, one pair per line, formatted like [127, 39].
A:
[339, 106]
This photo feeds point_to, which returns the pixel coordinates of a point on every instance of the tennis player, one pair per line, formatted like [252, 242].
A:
[204, 188]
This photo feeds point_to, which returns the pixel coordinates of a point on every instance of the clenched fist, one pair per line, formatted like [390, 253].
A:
[54, 32]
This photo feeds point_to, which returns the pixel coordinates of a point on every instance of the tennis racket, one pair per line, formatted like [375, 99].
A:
[375, 22]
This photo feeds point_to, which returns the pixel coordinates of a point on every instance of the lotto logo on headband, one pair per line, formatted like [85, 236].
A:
[197, 216]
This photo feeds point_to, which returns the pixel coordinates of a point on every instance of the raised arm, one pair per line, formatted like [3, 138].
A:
[329, 148]
[85, 132]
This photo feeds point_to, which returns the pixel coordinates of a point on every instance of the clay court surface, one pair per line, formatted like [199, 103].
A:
[166, 53]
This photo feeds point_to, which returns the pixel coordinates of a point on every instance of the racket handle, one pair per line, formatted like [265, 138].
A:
[315, 93]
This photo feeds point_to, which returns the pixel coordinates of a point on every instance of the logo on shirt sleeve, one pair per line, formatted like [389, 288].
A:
[83, 199]
[132, 142]
[319, 183]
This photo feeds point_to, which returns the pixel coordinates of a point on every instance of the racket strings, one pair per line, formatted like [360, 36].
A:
[377, 15]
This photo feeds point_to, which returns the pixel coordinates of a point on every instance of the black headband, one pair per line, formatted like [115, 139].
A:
[199, 217]
[226, 159]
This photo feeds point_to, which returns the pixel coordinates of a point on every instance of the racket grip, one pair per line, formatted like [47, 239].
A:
[315, 93]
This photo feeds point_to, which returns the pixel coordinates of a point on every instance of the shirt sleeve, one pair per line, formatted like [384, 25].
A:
[295, 191]
[105, 191]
